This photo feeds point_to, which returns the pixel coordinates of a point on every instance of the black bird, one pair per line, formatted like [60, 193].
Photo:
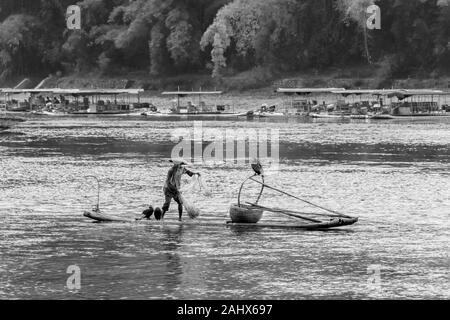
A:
[158, 213]
[257, 167]
[148, 213]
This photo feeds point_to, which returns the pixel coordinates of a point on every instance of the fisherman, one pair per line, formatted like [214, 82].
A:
[172, 186]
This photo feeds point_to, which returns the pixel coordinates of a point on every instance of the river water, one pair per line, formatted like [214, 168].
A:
[393, 175]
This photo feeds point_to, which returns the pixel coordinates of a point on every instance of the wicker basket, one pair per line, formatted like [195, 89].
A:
[245, 214]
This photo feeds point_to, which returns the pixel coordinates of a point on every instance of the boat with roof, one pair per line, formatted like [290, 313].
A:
[199, 104]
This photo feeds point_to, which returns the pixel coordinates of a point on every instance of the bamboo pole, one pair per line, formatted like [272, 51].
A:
[329, 215]
[285, 213]
[308, 202]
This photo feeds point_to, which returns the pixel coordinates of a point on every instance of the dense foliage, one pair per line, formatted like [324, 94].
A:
[223, 36]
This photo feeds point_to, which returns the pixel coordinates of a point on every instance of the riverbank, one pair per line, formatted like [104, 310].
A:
[241, 91]
[248, 88]
[255, 82]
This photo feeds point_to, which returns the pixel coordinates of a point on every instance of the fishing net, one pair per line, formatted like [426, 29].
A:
[204, 187]
[192, 210]
[197, 188]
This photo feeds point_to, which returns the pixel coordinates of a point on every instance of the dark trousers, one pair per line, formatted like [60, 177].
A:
[169, 195]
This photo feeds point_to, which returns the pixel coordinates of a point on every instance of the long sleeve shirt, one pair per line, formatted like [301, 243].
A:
[173, 180]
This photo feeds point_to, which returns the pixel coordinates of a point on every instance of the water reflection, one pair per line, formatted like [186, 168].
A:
[393, 175]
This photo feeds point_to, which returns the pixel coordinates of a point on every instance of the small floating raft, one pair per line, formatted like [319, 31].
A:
[333, 223]
[250, 213]
[102, 217]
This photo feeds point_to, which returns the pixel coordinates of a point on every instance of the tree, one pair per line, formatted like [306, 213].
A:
[355, 10]
[442, 38]
[19, 46]
[286, 34]
[178, 36]
[239, 24]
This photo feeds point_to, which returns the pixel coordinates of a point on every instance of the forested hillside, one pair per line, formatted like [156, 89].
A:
[223, 37]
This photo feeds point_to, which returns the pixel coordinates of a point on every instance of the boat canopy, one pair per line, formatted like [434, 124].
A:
[190, 93]
[19, 91]
[301, 91]
[400, 93]
[428, 92]
[94, 92]
[406, 93]
[346, 93]
[85, 92]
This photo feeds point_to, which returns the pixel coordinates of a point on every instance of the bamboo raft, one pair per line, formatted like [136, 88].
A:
[102, 217]
[249, 214]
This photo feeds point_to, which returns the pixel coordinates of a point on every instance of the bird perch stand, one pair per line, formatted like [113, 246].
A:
[241, 213]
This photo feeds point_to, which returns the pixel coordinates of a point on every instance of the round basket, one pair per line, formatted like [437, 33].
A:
[245, 214]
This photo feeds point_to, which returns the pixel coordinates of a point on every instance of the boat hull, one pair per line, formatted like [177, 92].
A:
[50, 114]
[269, 115]
[205, 114]
[190, 115]
[382, 117]
[100, 113]
[325, 116]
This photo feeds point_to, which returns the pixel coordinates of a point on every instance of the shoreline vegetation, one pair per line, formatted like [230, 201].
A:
[260, 82]
[240, 93]
[232, 45]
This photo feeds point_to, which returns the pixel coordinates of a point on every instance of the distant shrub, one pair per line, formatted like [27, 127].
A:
[104, 63]
[315, 83]
[255, 78]
[358, 83]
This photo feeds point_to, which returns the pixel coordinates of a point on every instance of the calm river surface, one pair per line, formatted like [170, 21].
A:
[394, 175]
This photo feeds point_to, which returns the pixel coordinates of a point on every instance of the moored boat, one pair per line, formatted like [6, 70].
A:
[359, 116]
[326, 116]
[201, 109]
[266, 114]
[263, 112]
[382, 117]
[107, 102]
[53, 113]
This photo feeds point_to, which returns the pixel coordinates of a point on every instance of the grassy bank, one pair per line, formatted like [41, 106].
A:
[258, 81]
